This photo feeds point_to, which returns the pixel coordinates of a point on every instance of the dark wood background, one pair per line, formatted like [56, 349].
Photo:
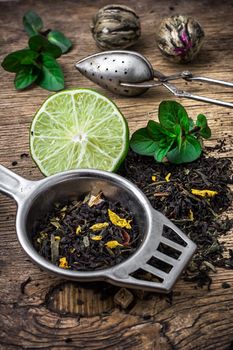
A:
[48, 313]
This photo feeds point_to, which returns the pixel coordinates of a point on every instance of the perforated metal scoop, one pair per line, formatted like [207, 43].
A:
[164, 250]
[128, 73]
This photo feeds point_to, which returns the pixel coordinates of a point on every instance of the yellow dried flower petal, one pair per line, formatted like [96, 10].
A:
[117, 221]
[167, 177]
[96, 238]
[63, 263]
[78, 230]
[204, 193]
[113, 244]
[99, 226]
[191, 216]
[57, 238]
[154, 178]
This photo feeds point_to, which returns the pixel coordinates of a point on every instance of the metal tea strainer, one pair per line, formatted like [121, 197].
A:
[163, 252]
[130, 74]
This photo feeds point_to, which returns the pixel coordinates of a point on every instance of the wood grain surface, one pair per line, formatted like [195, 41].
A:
[40, 311]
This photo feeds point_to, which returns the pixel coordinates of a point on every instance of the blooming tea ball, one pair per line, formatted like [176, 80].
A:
[179, 38]
[115, 27]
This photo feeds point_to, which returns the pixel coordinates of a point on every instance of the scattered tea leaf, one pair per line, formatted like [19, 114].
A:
[54, 248]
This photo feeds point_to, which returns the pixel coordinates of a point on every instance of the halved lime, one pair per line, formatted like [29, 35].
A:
[78, 128]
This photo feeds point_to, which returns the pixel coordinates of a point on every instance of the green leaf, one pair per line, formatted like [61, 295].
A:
[14, 61]
[178, 132]
[25, 77]
[51, 77]
[162, 148]
[202, 123]
[171, 113]
[59, 39]
[40, 43]
[141, 143]
[32, 23]
[191, 124]
[156, 131]
[190, 151]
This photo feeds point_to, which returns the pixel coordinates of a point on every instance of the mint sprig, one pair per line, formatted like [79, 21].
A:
[37, 63]
[176, 136]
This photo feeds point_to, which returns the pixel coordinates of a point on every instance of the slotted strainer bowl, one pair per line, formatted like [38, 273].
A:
[36, 198]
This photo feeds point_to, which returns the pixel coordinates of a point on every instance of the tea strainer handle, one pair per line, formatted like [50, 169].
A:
[160, 261]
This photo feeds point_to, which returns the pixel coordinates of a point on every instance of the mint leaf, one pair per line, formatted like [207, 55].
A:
[59, 39]
[162, 148]
[191, 124]
[40, 43]
[51, 77]
[178, 132]
[202, 123]
[141, 143]
[156, 131]
[25, 77]
[14, 61]
[190, 150]
[171, 113]
[32, 23]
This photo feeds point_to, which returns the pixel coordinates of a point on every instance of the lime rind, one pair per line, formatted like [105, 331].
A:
[78, 128]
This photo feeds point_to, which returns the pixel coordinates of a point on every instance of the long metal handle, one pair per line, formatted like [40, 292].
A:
[206, 80]
[205, 99]
[14, 185]
[180, 93]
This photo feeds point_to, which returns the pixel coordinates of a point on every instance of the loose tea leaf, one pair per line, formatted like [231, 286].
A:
[70, 241]
[198, 217]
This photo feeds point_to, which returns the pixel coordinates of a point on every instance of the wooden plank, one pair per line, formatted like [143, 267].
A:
[50, 313]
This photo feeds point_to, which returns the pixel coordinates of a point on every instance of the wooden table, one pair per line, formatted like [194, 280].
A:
[39, 311]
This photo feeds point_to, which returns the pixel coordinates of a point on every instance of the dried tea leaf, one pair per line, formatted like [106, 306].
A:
[99, 226]
[55, 242]
[86, 241]
[55, 223]
[95, 200]
[113, 244]
[204, 193]
[117, 221]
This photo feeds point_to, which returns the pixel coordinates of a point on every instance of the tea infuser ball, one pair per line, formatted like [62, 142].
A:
[115, 27]
[180, 38]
